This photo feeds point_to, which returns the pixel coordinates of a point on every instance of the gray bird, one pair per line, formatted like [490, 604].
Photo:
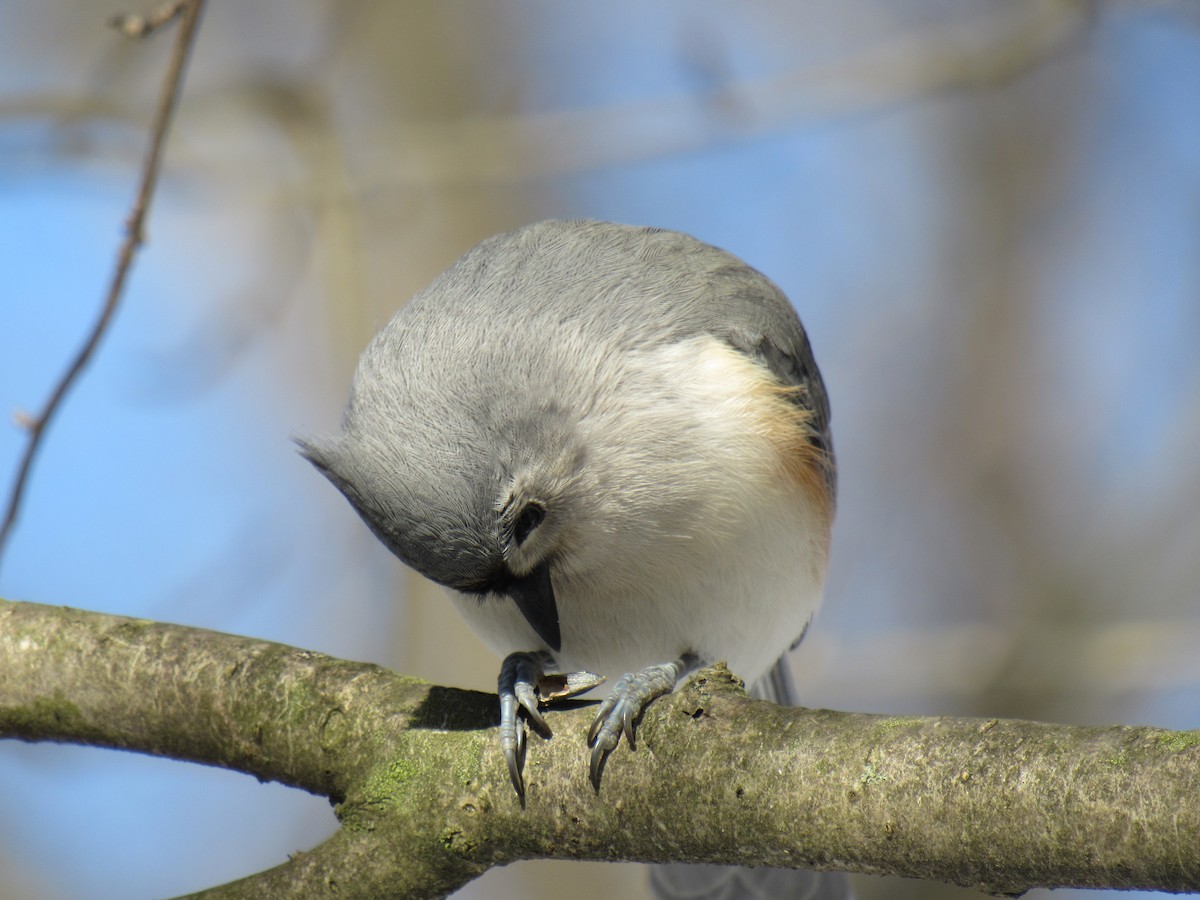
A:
[612, 445]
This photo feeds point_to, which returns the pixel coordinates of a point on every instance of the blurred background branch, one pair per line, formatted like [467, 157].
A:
[135, 223]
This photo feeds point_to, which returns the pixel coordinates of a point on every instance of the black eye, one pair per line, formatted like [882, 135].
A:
[527, 520]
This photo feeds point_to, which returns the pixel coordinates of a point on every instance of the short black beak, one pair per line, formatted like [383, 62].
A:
[534, 596]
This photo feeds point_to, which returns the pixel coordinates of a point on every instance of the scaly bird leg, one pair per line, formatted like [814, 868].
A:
[621, 708]
[523, 685]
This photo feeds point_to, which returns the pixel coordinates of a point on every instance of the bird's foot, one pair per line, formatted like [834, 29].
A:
[523, 685]
[621, 708]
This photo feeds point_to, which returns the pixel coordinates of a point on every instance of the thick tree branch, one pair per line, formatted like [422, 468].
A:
[425, 804]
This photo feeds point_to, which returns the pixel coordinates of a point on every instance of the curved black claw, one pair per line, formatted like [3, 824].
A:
[522, 684]
[621, 708]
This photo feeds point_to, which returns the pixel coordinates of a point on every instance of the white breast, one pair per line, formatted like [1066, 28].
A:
[705, 534]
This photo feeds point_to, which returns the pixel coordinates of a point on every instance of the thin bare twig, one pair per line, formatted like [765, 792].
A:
[134, 236]
[140, 25]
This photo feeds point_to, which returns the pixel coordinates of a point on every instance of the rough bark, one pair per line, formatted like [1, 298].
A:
[425, 804]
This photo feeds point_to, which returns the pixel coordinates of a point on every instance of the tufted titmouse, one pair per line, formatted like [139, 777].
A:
[612, 445]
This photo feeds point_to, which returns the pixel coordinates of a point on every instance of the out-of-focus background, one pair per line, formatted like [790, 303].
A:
[987, 214]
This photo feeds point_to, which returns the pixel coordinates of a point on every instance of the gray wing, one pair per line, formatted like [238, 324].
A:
[682, 287]
[706, 289]
[637, 284]
[754, 316]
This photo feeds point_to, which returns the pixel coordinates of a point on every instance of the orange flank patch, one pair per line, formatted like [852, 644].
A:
[787, 425]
